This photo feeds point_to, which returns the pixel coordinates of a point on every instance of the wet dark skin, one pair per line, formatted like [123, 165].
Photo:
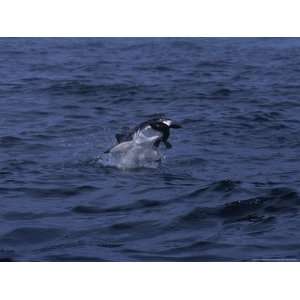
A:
[165, 130]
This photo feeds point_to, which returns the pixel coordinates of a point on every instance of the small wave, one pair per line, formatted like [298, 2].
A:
[38, 113]
[222, 92]
[178, 258]
[50, 192]
[226, 185]
[70, 107]
[197, 215]
[140, 204]
[191, 121]
[212, 64]
[20, 162]
[45, 137]
[194, 246]
[76, 87]
[158, 68]
[6, 259]
[79, 116]
[277, 201]
[7, 255]
[84, 209]
[242, 207]
[220, 186]
[30, 216]
[191, 161]
[10, 141]
[133, 226]
[100, 109]
[30, 235]
[73, 258]
[260, 117]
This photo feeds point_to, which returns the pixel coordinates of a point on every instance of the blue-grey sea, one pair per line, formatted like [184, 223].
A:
[228, 190]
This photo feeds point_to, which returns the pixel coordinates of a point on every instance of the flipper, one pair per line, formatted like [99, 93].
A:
[168, 145]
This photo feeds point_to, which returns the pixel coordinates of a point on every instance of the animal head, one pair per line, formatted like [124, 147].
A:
[163, 125]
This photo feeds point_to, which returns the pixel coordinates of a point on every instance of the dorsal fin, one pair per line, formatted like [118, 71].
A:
[121, 137]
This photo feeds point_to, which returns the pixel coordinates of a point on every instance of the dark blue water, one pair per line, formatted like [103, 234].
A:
[228, 189]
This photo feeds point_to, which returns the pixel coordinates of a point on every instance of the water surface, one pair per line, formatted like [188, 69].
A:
[227, 190]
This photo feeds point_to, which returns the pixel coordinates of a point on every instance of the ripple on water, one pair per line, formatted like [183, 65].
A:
[138, 205]
[30, 235]
[223, 186]
[275, 203]
[10, 141]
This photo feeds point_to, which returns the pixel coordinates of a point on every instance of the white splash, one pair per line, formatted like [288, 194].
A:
[138, 153]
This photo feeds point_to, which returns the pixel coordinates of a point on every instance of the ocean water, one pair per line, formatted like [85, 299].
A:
[228, 190]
